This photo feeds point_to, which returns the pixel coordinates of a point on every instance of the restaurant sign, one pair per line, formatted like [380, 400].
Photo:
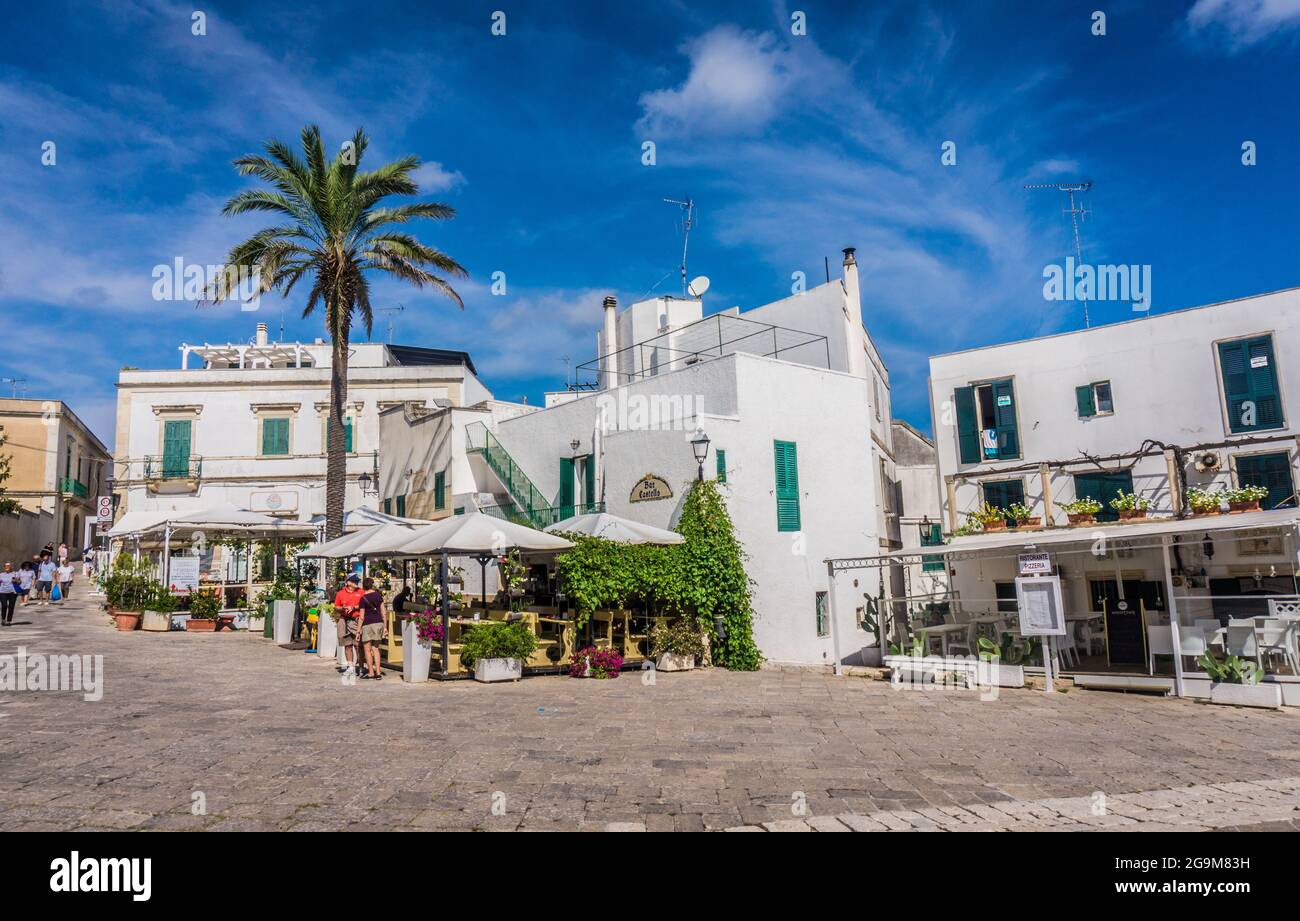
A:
[650, 488]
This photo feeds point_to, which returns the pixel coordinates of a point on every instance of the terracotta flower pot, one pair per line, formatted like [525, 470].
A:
[126, 620]
[999, 525]
[1248, 505]
[1029, 522]
[1081, 518]
[1206, 514]
[200, 625]
[1132, 513]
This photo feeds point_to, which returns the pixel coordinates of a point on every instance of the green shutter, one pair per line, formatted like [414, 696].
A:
[1273, 472]
[275, 436]
[589, 482]
[566, 488]
[1004, 493]
[401, 506]
[1250, 378]
[787, 486]
[440, 490]
[1083, 396]
[347, 435]
[176, 448]
[388, 506]
[1004, 410]
[968, 427]
[931, 536]
[722, 465]
[1103, 487]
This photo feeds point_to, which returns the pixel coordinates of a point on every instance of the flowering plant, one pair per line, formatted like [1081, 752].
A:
[603, 663]
[1247, 494]
[1203, 500]
[1130, 502]
[1083, 506]
[428, 625]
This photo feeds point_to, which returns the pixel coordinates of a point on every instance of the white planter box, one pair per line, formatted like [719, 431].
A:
[327, 636]
[1247, 695]
[157, 622]
[999, 675]
[671, 662]
[971, 672]
[417, 655]
[498, 670]
[283, 622]
[256, 623]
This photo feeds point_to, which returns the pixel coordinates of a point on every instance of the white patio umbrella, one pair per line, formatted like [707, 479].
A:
[616, 529]
[361, 517]
[477, 533]
[341, 547]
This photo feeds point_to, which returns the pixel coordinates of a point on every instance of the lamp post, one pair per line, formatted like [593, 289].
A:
[364, 482]
[700, 445]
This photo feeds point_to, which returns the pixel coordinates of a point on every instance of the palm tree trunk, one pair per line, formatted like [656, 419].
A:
[336, 460]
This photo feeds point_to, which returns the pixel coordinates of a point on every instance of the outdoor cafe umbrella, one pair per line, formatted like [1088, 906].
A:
[616, 529]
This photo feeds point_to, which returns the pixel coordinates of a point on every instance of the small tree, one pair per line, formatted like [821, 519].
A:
[7, 505]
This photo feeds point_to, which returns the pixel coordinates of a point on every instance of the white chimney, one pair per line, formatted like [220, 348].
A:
[854, 337]
[261, 334]
[609, 344]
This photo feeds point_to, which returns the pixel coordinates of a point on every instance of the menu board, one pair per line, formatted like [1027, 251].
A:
[1038, 600]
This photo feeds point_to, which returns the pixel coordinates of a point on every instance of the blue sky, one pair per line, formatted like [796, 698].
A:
[794, 146]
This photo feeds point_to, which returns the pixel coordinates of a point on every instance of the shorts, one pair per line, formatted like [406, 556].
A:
[348, 628]
[44, 587]
[23, 592]
[372, 633]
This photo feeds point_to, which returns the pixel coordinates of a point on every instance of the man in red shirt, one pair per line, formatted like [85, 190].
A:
[347, 614]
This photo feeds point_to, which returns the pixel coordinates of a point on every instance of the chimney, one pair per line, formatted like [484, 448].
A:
[609, 344]
[261, 334]
[854, 337]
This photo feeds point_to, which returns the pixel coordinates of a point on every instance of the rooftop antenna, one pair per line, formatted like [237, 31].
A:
[15, 381]
[1077, 213]
[389, 322]
[688, 207]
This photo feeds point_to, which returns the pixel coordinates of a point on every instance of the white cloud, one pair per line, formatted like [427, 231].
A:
[1240, 24]
[433, 177]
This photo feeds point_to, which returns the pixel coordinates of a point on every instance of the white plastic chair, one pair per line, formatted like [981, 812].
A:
[1092, 634]
[1240, 640]
[1275, 637]
[1160, 642]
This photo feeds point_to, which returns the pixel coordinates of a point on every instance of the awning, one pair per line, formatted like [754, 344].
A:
[616, 529]
[377, 540]
[357, 518]
[138, 522]
[475, 533]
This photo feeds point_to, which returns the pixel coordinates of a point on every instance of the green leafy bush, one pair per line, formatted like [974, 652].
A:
[205, 604]
[130, 584]
[1130, 502]
[495, 639]
[1232, 670]
[682, 637]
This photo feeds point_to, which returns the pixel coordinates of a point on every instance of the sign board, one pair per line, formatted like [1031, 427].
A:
[183, 574]
[270, 503]
[1259, 361]
[1004, 400]
[650, 488]
[1035, 564]
[104, 511]
[1038, 599]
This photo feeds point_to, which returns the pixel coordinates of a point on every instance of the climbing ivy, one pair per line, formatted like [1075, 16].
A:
[702, 578]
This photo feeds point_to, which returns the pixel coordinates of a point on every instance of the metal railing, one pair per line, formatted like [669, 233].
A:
[73, 487]
[534, 506]
[169, 468]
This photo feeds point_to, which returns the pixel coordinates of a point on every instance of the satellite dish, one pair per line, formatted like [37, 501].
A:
[699, 284]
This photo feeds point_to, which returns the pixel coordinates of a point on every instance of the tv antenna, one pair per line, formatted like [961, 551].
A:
[389, 321]
[1077, 213]
[15, 381]
[688, 208]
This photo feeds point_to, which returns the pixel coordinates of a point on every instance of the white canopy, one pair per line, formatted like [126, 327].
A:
[377, 540]
[137, 523]
[357, 518]
[216, 518]
[476, 532]
[616, 529]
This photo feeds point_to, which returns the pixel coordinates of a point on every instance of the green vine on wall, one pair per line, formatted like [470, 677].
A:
[703, 578]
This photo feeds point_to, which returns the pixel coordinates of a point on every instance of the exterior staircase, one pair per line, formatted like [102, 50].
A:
[529, 505]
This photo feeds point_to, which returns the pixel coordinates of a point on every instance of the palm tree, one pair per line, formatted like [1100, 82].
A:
[336, 233]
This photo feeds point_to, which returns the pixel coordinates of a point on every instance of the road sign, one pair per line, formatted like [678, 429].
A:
[104, 511]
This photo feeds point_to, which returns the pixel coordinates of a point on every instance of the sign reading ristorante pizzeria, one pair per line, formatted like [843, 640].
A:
[650, 488]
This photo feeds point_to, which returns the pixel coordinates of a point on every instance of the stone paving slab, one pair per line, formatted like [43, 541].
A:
[272, 739]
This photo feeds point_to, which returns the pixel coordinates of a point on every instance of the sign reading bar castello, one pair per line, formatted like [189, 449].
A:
[650, 488]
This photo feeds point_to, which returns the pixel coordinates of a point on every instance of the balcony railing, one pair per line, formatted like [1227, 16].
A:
[73, 487]
[173, 468]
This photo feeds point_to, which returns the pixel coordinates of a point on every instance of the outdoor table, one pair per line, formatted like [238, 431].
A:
[942, 631]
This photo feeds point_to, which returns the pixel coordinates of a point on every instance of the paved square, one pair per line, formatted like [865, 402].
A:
[271, 739]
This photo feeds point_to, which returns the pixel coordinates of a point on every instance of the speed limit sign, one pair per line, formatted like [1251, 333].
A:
[104, 509]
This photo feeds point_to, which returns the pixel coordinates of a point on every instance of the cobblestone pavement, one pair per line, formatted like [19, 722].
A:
[272, 739]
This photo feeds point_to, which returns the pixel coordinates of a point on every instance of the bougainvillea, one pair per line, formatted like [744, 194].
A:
[603, 663]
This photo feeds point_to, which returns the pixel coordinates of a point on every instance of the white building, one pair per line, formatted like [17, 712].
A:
[244, 424]
[795, 402]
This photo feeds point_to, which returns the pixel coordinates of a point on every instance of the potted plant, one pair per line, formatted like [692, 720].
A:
[1204, 502]
[496, 650]
[257, 614]
[158, 608]
[205, 606]
[514, 572]
[1245, 498]
[1022, 514]
[676, 645]
[127, 590]
[419, 632]
[994, 670]
[1235, 682]
[1082, 511]
[1130, 505]
[595, 662]
[990, 517]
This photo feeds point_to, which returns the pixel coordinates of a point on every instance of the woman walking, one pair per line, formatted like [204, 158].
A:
[374, 628]
[26, 579]
[8, 594]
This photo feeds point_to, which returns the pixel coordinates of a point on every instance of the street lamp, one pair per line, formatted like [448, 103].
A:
[364, 482]
[700, 445]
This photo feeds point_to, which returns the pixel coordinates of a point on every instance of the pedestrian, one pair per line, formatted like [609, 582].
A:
[8, 594]
[26, 579]
[63, 554]
[88, 562]
[64, 572]
[44, 579]
[374, 627]
[347, 607]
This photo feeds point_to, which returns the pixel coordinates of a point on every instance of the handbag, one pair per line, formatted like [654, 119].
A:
[55, 594]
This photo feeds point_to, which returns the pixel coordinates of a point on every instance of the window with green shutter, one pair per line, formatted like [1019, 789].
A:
[787, 486]
[1103, 487]
[566, 488]
[822, 614]
[176, 448]
[589, 483]
[986, 422]
[1003, 494]
[931, 536]
[722, 465]
[1250, 384]
[401, 506]
[968, 426]
[347, 435]
[388, 506]
[440, 490]
[1094, 399]
[1273, 472]
[275, 437]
